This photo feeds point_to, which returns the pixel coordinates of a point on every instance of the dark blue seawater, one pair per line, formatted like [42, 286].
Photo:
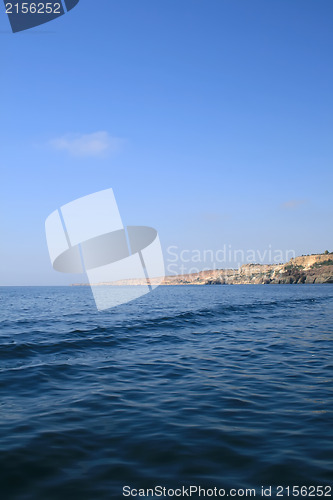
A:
[217, 386]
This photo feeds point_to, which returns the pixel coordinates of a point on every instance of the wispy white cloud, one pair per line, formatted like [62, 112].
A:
[97, 144]
[293, 204]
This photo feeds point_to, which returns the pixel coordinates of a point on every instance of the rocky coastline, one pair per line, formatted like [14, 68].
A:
[316, 268]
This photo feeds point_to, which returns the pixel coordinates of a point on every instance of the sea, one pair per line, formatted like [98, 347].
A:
[188, 391]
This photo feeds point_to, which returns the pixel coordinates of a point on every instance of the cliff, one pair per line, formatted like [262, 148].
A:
[305, 269]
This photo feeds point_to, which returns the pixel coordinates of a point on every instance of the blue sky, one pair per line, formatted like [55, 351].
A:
[212, 121]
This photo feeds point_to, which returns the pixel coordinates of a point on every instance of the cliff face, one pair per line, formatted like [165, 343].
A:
[320, 271]
[305, 269]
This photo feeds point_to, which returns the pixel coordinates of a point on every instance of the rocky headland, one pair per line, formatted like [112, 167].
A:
[305, 269]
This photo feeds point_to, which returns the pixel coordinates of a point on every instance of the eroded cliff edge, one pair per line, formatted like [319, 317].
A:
[305, 269]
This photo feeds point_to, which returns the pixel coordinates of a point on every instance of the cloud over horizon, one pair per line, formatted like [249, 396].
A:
[96, 144]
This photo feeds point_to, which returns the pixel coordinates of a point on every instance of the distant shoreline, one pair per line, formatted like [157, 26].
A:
[310, 269]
